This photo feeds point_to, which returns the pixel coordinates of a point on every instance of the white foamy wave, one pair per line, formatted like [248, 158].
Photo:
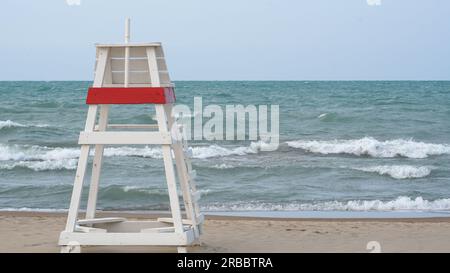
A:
[12, 124]
[149, 191]
[154, 191]
[130, 151]
[402, 203]
[222, 166]
[25, 209]
[201, 152]
[219, 151]
[48, 165]
[398, 171]
[372, 147]
[33, 153]
[46, 158]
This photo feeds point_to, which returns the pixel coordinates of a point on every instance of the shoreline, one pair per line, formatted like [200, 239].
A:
[404, 216]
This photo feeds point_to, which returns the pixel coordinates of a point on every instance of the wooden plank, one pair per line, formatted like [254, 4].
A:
[124, 138]
[200, 219]
[133, 126]
[77, 188]
[130, 239]
[100, 221]
[135, 77]
[81, 171]
[131, 226]
[153, 67]
[155, 44]
[180, 166]
[162, 229]
[126, 80]
[117, 85]
[103, 55]
[89, 229]
[132, 95]
[97, 165]
[135, 65]
[169, 168]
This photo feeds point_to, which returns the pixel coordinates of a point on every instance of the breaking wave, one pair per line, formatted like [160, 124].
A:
[223, 166]
[401, 203]
[11, 124]
[398, 171]
[369, 146]
[47, 165]
[40, 158]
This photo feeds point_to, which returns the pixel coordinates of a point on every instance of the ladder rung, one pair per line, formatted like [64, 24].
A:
[123, 138]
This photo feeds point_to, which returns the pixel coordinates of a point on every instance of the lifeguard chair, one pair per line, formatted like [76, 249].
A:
[133, 74]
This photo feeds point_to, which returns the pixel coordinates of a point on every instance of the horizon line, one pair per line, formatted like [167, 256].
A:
[303, 80]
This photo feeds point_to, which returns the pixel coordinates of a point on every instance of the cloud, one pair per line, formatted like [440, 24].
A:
[373, 2]
[73, 2]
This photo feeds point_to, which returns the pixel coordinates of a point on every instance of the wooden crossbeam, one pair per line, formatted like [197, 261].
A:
[101, 221]
[124, 138]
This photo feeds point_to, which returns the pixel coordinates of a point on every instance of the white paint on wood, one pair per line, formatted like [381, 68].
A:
[200, 219]
[89, 229]
[97, 165]
[130, 239]
[100, 221]
[133, 126]
[122, 138]
[154, 44]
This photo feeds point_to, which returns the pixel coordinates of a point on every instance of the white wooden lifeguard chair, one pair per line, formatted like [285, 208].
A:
[133, 74]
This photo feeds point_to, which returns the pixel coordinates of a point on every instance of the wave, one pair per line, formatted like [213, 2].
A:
[401, 203]
[41, 158]
[117, 192]
[48, 165]
[371, 147]
[219, 151]
[11, 124]
[222, 166]
[36, 153]
[398, 171]
[25, 209]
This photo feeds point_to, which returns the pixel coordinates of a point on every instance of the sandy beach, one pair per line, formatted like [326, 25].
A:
[38, 232]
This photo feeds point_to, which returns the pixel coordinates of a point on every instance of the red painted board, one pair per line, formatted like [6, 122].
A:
[130, 95]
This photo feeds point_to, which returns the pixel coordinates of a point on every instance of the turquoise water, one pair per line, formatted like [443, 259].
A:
[345, 146]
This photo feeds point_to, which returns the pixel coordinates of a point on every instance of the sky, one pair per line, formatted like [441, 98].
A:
[233, 39]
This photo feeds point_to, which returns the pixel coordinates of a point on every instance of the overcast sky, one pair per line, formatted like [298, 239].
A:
[233, 39]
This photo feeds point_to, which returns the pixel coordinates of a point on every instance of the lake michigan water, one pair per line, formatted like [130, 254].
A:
[344, 146]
